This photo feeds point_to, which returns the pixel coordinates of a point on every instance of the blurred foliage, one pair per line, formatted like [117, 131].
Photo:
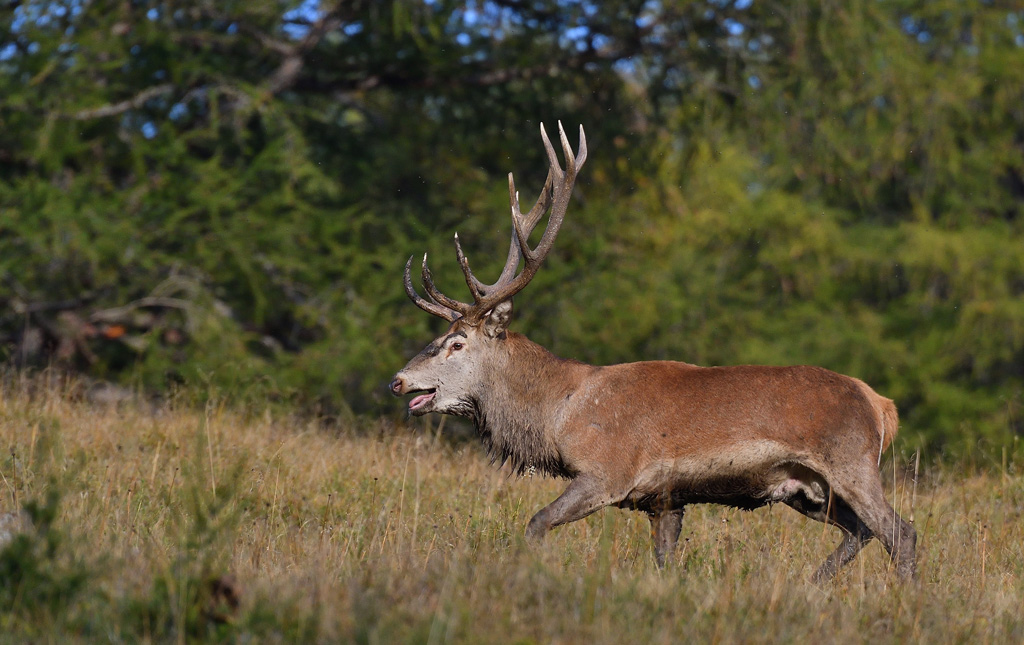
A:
[223, 195]
[40, 576]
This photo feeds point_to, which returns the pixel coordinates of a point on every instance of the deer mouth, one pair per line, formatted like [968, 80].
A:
[421, 403]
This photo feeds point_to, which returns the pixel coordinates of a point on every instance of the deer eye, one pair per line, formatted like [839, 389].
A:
[457, 346]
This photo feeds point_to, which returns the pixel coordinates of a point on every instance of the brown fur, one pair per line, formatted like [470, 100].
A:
[656, 436]
[652, 436]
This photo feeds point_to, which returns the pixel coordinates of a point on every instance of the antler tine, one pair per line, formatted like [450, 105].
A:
[479, 288]
[475, 286]
[561, 193]
[435, 294]
[542, 205]
[581, 153]
[511, 264]
[522, 226]
[430, 307]
[556, 193]
[556, 167]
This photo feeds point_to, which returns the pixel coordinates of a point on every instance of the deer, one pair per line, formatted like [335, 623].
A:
[651, 436]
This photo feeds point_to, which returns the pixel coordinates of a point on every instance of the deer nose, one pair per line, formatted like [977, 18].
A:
[397, 386]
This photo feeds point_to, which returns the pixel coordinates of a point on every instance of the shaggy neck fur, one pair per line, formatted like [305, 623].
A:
[522, 406]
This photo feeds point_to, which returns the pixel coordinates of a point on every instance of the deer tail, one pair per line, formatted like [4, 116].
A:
[890, 424]
[888, 418]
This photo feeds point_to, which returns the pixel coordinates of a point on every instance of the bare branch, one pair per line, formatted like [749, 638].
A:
[283, 48]
[287, 73]
[113, 109]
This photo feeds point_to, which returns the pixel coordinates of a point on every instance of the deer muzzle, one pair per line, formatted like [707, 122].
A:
[398, 386]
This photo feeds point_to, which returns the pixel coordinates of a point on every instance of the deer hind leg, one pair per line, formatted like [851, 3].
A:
[867, 501]
[811, 496]
[855, 536]
[583, 496]
[665, 527]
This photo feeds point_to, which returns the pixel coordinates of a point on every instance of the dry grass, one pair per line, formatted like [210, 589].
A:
[389, 535]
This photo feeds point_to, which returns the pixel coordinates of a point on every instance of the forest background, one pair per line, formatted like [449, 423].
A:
[220, 197]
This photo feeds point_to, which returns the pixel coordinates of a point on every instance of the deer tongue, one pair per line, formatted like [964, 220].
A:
[421, 400]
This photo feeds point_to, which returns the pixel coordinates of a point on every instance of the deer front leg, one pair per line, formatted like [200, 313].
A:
[665, 526]
[583, 496]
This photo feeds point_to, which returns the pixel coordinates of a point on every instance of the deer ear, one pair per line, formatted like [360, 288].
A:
[498, 318]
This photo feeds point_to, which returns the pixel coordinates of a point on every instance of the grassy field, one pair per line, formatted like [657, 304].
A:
[171, 524]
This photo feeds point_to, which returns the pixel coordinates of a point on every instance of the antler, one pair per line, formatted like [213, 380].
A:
[555, 195]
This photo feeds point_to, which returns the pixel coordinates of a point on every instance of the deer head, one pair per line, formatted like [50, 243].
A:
[450, 372]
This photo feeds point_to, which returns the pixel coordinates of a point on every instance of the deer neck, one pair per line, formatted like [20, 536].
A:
[522, 405]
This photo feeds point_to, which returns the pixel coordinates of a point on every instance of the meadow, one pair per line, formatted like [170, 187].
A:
[168, 523]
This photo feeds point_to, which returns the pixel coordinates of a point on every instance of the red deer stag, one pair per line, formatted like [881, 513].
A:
[652, 436]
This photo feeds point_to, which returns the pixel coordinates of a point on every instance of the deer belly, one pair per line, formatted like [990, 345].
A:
[746, 477]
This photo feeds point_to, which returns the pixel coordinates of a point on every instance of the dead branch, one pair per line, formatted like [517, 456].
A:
[288, 71]
[116, 314]
[114, 109]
